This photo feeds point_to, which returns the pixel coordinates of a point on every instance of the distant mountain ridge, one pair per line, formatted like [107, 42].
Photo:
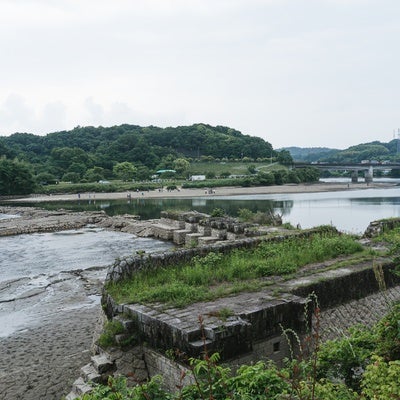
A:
[375, 150]
[309, 154]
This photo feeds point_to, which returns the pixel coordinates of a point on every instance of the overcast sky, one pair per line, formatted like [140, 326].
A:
[307, 73]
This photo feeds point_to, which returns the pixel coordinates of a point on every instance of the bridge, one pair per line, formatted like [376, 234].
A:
[367, 167]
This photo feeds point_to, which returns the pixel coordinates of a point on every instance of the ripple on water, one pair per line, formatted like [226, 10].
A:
[45, 273]
[8, 216]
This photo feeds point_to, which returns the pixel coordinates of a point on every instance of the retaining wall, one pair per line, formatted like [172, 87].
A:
[126, 267]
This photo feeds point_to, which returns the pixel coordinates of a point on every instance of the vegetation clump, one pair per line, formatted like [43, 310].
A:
[353, 367]
[110, 330]
[259, 217]
[216, 275]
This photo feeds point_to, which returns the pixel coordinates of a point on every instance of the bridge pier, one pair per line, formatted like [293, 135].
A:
[354, 176]
[369, 174]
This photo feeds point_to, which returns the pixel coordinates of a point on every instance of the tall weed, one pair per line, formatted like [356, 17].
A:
[216, 275]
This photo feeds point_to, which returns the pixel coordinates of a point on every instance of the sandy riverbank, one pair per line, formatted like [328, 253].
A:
[220, 191]
[43, 362]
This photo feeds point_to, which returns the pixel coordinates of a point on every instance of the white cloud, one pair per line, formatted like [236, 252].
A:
[17, 115]
[306, 72]
[53, 117]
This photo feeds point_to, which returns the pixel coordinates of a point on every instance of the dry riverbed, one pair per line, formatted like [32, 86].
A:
[42, 361]
[32, 220]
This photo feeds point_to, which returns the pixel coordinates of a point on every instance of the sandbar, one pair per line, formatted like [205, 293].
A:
[219, 191]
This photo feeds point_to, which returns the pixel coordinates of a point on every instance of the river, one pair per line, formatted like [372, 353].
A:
[48, 280]
[31, 265]
[350, 210]
[44, 273]
[50, 285]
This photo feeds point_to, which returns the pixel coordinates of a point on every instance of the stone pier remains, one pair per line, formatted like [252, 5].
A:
[253, 328]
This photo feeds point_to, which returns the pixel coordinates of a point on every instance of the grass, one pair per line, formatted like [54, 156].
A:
[234, 168]
[113, 186]
[107, 337]
[215, 275]
[389, 236]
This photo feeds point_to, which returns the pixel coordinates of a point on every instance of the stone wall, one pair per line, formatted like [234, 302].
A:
[254, 330]
[172, 372]
[377, 227]
[365, 311]
[333, 289]
[125, 267]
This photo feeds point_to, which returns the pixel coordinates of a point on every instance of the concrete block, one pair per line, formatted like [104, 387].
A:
[102, 364]
[89, 373]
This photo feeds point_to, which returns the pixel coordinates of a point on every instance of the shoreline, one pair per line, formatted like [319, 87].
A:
[217, 192]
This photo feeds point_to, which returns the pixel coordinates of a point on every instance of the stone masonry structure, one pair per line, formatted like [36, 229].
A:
[253, 329]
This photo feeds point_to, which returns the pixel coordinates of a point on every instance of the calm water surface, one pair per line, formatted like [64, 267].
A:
[350, 210]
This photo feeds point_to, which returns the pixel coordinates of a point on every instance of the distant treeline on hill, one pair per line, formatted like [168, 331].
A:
[89, 154]
[355, 154]
[147, 146]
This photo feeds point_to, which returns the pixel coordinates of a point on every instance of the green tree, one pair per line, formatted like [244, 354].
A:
[45, 178]
[64, 157]
[124, 170]
[252, 169]
[167, 162]
[142, 173]
[94, 174]
[79, 168]
[73, 177]
[181, 165]
[284, 157]
[15, 177]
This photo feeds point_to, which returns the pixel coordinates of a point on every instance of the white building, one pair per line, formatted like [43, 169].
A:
[198, 178]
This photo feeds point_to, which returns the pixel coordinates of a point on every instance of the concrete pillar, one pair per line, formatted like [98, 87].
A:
[369, 174]
[354, 176]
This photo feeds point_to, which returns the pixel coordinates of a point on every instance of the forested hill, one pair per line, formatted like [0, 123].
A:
[140, 145]
[376, 150]
[310, 154]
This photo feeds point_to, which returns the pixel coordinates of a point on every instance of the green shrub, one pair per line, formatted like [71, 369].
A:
[388, 335]
[117, 389]
[218, 212]
[340, 359]
[107, 337]
[381, 380]
[259, 381]
[245, 215]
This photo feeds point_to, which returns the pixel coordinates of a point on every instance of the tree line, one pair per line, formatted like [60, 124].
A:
[375, 150]
[126, 152]
[91, 153]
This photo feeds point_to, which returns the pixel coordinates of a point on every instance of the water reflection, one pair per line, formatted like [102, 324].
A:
[349, 210]
[151, 208]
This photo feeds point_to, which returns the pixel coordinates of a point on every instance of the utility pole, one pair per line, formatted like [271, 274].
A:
[398, 141]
